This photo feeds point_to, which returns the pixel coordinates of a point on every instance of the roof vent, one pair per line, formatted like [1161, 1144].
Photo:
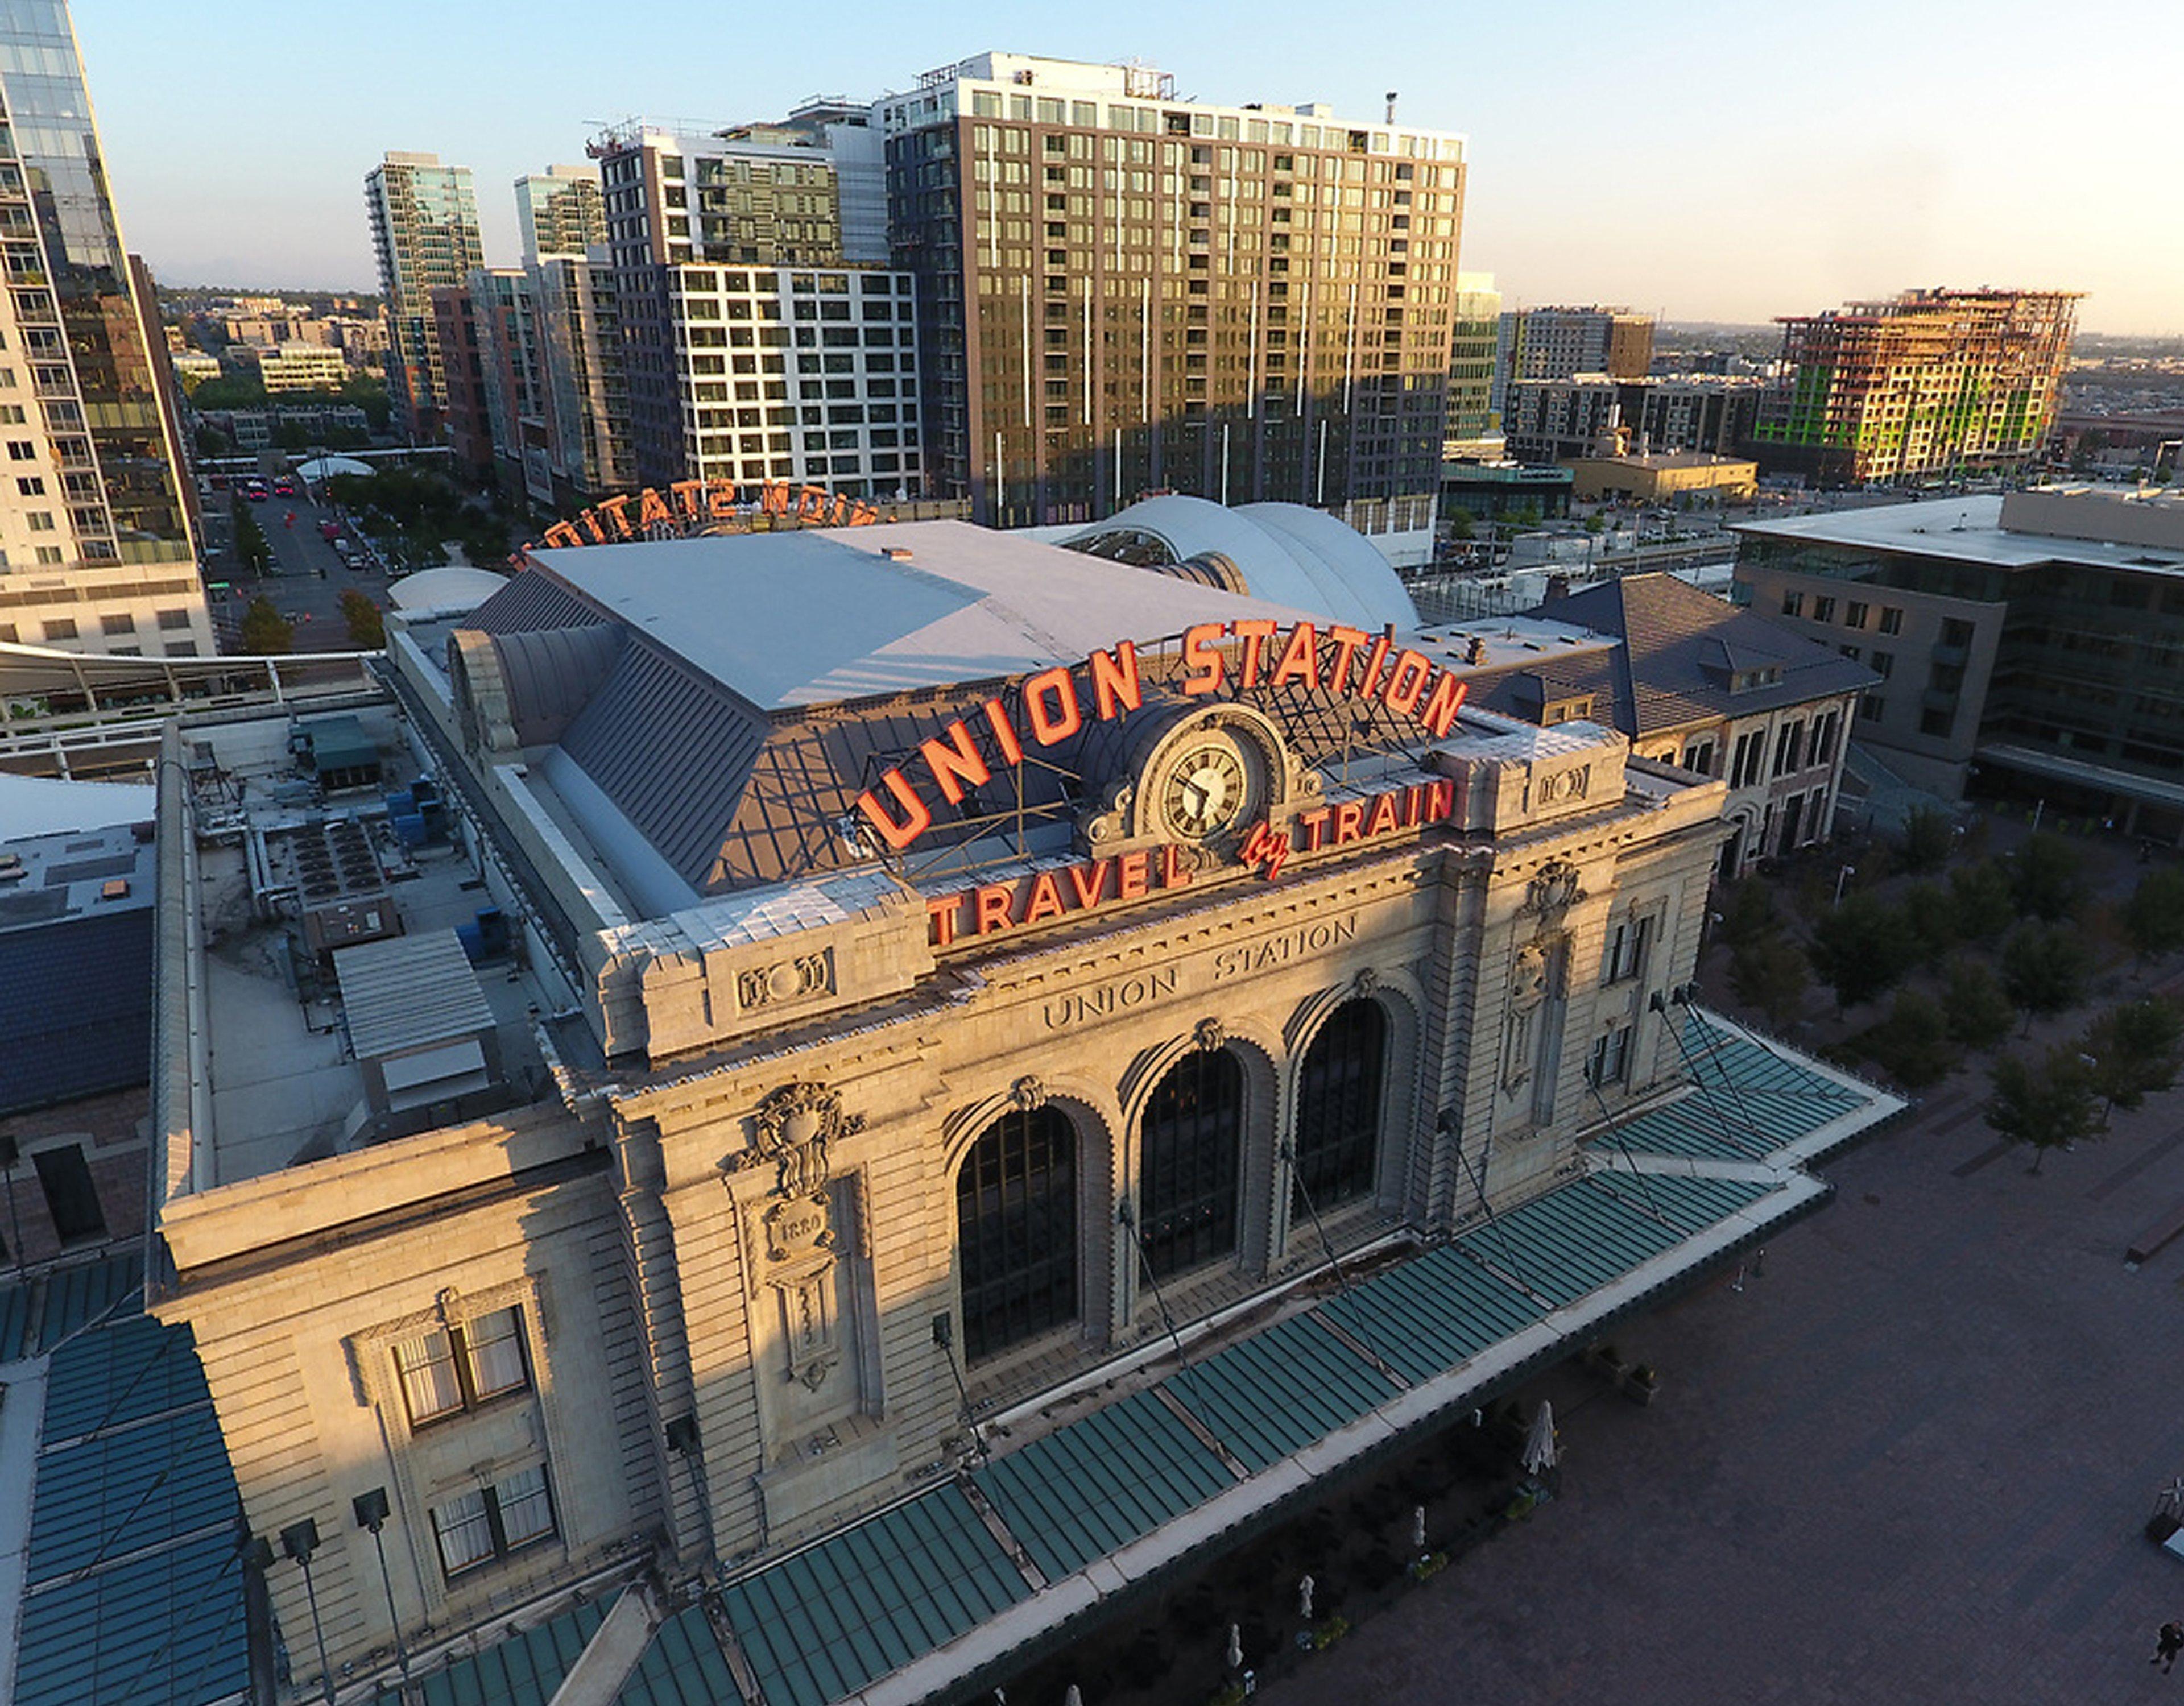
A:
[895, 554]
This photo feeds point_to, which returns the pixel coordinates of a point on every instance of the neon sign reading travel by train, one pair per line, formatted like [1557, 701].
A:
[1346, 662]
[690, 503]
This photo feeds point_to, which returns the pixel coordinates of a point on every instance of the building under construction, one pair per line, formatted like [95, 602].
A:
[1940, 382]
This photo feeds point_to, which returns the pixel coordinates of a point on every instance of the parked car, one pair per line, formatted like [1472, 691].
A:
[330, 531]
[284, 488]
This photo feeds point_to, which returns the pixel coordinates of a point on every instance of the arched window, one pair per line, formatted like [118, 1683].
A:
[1337, 1118]
[1016, 1227]
[1193, 1140]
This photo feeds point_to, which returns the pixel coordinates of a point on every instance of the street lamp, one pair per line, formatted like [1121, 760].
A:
[372, 1512]
[1842, 876]
[300, 1540]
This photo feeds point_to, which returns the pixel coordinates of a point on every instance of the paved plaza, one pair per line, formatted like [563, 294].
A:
[1909, 1460]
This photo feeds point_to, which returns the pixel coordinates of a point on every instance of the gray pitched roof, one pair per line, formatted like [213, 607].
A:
[1682, 646]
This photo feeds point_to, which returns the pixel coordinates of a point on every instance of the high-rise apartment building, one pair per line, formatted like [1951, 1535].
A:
[1472, 340]
[424, 232]
[1562, 343]
[559, 211]
[1933, 382]
[763, 336]
[1125, 292]
[97, 552]
[583, 398]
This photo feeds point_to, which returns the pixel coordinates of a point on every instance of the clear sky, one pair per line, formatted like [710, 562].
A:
[1707, 159]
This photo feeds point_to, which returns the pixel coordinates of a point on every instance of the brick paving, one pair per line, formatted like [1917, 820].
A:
[1909, 1461]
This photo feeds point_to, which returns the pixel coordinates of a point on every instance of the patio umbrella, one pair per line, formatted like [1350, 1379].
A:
[1539, 1453]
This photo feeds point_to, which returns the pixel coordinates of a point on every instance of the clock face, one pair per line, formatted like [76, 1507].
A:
[1208, 790]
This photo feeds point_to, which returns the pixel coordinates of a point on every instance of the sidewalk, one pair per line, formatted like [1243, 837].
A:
[1909, 1460]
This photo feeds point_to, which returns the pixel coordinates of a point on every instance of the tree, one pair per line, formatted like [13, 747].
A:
[2044, 968]
[1461, 523]
[252, 548]
[1749, 914]
[1771, 974]
[1928, 837]
[1861, 948]
[367, 627]
[2153, 916]
[1931, 918]
[1595, 524]
[1981, 900]
[2137, 1049]
[2045, 879]
[265, 632]
[2049, 1106]
[1979, 1011]
[1913, 1044]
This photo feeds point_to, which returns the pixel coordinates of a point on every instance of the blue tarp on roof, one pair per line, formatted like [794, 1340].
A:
[85, 1034]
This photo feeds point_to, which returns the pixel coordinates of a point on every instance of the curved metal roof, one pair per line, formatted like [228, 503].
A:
[454, 588]
[1289, 553]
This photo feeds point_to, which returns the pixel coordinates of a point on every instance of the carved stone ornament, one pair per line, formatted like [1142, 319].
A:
[1210, 1035]
[787, 980]
[795, 1124]
[1366, 980]
[1554, 891]
[1028, 1094]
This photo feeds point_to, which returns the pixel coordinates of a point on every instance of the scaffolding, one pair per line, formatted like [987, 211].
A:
[1936, 382]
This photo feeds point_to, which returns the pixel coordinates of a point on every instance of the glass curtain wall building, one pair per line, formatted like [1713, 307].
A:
[90, 475]
[425, 232]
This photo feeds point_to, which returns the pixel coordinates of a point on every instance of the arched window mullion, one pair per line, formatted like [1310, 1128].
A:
[1191, 1144]
[1338, 1120]
[1016, 1213]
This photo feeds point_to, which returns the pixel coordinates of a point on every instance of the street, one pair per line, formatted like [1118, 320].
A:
[309, 577]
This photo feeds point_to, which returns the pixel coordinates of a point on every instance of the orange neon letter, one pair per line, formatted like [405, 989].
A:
[1300, 658]
[1115, 684]
[950, 755]
[1205, 662]
[1407, 681]
[1442, 704]
[1255, 636]
[916, 815]
[1064, 719]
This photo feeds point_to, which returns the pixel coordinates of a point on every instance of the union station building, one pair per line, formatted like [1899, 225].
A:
[851, 1095]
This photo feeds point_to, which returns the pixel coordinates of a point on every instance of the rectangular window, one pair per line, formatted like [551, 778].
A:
[70, 1197]
[171, 619]
[61, 628]
[1789, 747]
[1793, 604]
[1824, 610]
[1892, 620]
[1853, 615]
[1956, 632]
[1938, 722]
[474, 1527]
[1611, 1059]
[1882, 663]
[1698, 757]
[1626, 950]
[1823, 739]
[453, 1368]
[123, 624]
